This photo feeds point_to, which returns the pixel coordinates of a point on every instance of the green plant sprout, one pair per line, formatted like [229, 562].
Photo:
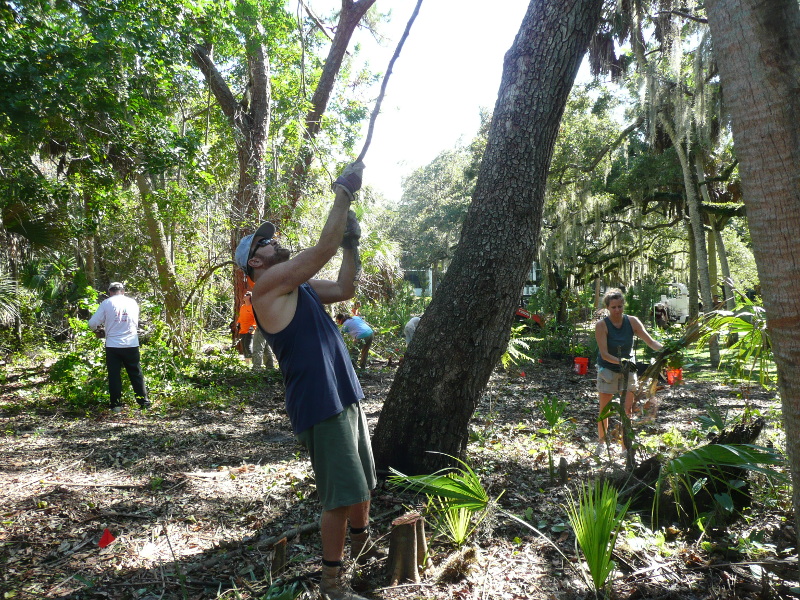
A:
[456, 498]
[751, 350]
[460, 488]
[553, 410]
[596, 521]
[518, 345]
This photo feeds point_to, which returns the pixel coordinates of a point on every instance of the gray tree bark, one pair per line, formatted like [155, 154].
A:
[467, 325]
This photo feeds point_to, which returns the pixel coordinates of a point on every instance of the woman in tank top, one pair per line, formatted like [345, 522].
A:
[614, 335]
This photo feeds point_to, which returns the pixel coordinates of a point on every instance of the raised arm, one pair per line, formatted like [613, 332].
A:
[284, 277]
[344, 287]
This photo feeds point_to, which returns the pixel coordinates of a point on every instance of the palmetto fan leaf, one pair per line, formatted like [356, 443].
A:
[8, 301]
[744, 456]
[461, 488]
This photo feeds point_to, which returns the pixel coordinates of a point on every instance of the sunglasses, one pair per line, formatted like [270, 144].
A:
[261, 243]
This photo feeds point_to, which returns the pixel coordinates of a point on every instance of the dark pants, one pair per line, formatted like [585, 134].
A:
[247, 344]
[116, 358]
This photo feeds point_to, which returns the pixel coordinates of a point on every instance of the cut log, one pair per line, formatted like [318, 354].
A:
[408, 550]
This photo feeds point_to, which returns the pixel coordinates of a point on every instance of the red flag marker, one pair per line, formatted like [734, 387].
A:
[106, 538]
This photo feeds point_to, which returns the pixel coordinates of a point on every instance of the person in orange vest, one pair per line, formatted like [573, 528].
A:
[246, 325]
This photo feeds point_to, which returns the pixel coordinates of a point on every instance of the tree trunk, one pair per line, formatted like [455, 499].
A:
[467, 325]
[729, 302]
[758, 54]
[168, 280]
[250, 121]
[716, 248]
[694, 294]
[696, 218]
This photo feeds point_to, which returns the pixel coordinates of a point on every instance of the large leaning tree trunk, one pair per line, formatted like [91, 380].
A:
[758, 54]
[466, 328]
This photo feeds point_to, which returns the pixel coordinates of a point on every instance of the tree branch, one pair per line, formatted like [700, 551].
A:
[606, 149]
[377, 108]
[216, 83]
[202, 279]
[684, 15]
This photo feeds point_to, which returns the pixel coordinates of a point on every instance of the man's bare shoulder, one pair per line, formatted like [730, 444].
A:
[275, 310]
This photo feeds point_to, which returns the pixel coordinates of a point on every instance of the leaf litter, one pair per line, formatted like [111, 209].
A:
[198, 503]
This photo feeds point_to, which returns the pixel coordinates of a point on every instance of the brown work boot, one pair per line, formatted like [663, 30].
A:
[333, 586]
[362, 548]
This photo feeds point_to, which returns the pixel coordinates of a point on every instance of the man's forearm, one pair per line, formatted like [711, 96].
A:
[334, 227]
[347, 272]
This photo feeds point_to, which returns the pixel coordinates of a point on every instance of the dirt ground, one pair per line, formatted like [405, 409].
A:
[197, 499]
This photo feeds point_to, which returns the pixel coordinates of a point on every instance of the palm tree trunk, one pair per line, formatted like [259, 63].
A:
[758, 55]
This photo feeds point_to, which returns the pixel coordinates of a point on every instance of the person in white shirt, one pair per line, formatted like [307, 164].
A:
[118, 315]
[410, 328]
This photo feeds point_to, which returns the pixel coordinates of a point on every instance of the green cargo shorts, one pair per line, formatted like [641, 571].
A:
[341, 456]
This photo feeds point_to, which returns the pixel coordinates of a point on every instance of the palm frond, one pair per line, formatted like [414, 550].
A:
[461, 487]
[9, 309]
[596, 522]
[757, 459]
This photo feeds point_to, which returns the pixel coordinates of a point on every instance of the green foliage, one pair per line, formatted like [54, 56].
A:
[8, 298]
[751, 353]
[597, 521]
[553, 410]
[78, 378]
[703, 468]
[456, 498]
[715, 419]
[518, 347]
[641, 297]
[432, 208]
[279, 591]
[455, 523]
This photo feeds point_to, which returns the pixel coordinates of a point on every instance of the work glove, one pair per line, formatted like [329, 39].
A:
[352, 231]
[350, 179]
[624, 364]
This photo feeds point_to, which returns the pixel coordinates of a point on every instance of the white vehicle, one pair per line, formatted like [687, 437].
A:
[673, 308]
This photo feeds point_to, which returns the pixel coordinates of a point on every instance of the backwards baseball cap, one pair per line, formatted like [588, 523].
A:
[115, 286]
[244, 251]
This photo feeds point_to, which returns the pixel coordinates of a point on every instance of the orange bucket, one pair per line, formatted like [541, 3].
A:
[674, 376]
[581, 365]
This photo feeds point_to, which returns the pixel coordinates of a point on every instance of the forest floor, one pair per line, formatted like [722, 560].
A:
[196, 499]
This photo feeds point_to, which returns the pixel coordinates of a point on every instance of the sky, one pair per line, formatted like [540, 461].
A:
[450, 66]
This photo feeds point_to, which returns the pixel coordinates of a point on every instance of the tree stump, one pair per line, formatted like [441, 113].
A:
[408, 550]
[278, 562]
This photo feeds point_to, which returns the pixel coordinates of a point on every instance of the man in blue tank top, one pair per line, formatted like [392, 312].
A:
[322, 391]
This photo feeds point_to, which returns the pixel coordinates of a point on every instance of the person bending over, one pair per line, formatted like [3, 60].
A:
[362, 333]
